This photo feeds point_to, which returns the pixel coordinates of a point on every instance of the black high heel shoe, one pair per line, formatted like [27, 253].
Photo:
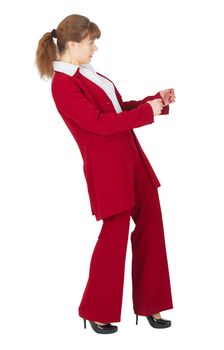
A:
[103, 329]
[157, 322]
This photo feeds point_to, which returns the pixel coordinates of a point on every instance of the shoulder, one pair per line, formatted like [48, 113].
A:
[62, 81]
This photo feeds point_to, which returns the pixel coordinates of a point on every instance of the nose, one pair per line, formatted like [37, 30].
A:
[95, 47]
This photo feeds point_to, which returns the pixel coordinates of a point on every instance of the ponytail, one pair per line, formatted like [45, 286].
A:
[45, 55]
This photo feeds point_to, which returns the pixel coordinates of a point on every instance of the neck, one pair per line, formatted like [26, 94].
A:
[67, 58]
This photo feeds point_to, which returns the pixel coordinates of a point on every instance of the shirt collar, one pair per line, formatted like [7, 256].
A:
[70, 68]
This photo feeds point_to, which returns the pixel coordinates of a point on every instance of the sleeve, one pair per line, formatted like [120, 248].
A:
[129, 105]
[73, 105]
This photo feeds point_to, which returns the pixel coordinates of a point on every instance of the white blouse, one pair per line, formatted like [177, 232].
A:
[89, 72]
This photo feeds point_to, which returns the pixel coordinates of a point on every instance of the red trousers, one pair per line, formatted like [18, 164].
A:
[151, 289]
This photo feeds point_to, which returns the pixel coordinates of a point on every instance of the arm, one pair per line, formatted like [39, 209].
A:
[129, 105]
[72, 104]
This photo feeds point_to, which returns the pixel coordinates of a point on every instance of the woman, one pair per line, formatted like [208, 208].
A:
[120, 180]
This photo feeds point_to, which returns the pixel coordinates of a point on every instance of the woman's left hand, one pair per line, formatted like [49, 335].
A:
[168, 96]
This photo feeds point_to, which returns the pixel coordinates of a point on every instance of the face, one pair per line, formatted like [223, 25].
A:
[85, 50]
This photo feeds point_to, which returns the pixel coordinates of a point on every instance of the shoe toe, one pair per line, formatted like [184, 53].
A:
[164, 321]
[158, 322]
[106, 326]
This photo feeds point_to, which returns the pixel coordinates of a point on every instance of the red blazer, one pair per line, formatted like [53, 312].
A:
[101, 133]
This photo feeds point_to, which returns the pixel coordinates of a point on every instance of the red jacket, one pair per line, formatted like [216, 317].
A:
[101, 133]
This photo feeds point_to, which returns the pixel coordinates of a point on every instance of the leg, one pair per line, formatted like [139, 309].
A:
[102, 298]
[150, 274]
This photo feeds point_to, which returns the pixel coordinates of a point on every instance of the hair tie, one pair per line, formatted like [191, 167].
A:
[53, 33]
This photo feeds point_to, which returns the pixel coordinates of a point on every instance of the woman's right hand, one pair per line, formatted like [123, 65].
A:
[157, 105]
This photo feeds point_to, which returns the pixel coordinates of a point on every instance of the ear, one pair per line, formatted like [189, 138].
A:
[72, 44]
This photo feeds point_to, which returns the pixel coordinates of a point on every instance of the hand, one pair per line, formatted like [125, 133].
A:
[157, 105]
[168, 96]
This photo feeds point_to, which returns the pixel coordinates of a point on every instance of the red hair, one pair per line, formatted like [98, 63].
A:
[75, 28]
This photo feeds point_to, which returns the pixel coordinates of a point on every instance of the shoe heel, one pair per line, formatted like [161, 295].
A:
[136, 319]
[84, 323]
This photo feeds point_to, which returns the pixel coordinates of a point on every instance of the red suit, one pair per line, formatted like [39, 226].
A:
[101, 135]
[121, 184]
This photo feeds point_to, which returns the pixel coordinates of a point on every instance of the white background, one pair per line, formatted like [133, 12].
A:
[47, 230]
